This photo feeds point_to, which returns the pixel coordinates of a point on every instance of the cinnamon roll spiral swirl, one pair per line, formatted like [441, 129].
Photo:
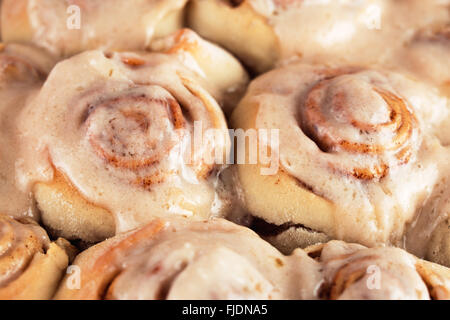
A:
[180, 259]
[124, 140]
[215, 259]
[30, 265]
[353, 145]
[327, 103]
[351, 271]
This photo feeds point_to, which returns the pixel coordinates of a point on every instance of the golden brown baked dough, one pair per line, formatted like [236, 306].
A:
[66, 213]
[357, 157]
[104, 24]
[180, 259]
[117, 140]
[264, 32]
[249, 36]
[30, 265]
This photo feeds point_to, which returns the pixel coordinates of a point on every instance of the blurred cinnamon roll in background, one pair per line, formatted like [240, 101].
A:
[357, 159]
[31, 266]
[216, 259]
[427, 57]
[429, 234]
[116, 139]
[23, 70]
[69, 27]
[330, 32]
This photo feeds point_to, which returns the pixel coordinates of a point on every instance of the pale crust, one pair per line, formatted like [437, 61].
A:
[279, 198]
[260, 49]
[31, 266]
[65, 212]
[40, 279]
[293, 238]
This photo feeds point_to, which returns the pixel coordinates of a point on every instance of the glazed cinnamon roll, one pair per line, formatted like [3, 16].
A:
[30, 265]
[351, 271]
[427, 57]
[181, 259]
[22, 71]
[227, 80]
[429, 234]
[266, 31]
[347, 153]
[69, 27]
[428, 53]
[116, 139]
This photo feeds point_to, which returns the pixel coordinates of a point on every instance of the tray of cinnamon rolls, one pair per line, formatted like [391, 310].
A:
[225, 149]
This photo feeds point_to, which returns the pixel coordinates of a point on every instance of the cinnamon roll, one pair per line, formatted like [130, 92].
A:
[426, 56]
[266, 31]
[351, 271]
[227, 80]
[353, 154]
[22, 71]
[182, 259]
[30, 265]
[69, 27]
[428, 235]
[114, 140]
